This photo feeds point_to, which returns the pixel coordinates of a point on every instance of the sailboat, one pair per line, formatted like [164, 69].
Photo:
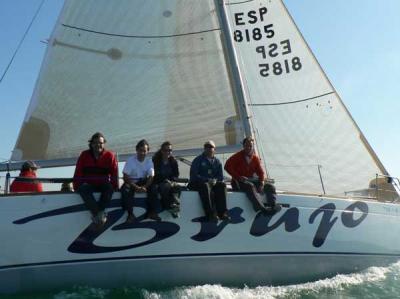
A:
[188, 71]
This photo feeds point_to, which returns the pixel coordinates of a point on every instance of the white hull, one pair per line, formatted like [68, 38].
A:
[48, 242]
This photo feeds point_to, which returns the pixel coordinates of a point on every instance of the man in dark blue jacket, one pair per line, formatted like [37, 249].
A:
[206, 177]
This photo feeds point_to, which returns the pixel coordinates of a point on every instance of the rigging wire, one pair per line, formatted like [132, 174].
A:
[22, 40]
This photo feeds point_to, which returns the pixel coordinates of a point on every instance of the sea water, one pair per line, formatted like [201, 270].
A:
[375, 282]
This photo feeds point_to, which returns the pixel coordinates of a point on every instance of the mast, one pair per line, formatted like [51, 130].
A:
[233, 68]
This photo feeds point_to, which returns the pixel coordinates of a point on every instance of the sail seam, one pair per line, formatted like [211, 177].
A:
[293, 102]
[139, 36]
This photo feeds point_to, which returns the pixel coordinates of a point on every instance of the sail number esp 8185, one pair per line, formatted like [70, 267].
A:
[250, 27]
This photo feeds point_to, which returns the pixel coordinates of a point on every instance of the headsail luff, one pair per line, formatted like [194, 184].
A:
[157, 72]
[305, 131]
[233, 68]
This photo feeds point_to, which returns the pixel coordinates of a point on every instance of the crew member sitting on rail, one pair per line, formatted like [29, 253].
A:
[28, 171]
[249, 176]
[96, 171]
[138, 178]
[206, 177]
[165, 178]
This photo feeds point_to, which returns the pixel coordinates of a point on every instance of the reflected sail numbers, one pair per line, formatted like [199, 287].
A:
[278, 68]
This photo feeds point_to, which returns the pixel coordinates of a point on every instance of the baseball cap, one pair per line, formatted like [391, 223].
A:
[210, 143]
[29, 165]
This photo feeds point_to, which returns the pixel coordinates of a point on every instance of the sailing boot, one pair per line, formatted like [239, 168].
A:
[270, 194]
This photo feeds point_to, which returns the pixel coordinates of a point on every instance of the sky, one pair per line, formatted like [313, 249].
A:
[355, 41]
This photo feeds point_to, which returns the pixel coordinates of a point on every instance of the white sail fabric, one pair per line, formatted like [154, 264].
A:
[307, 138]
[130, 69]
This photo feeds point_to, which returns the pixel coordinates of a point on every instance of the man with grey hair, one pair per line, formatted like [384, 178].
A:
[206, 177]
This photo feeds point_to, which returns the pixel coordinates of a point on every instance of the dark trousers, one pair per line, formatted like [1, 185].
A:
[211, 196]
[170, 193]
[128, 196]
[86, 192]
[255, 198]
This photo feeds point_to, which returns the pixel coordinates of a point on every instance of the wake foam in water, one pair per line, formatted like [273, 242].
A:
[336, 287]
[83, 293]
[375, 282]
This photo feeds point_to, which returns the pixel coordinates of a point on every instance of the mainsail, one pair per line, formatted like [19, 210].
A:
[137, 69]
[158, 70]
[307, 138]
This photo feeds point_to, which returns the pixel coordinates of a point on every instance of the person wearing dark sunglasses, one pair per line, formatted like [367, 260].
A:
[165, 178]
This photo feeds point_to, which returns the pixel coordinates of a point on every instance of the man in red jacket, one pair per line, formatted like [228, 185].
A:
[96, 171]
[28, 170]
[249, 176]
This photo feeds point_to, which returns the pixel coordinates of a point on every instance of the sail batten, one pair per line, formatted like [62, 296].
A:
[138, 36]
[275, 103]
